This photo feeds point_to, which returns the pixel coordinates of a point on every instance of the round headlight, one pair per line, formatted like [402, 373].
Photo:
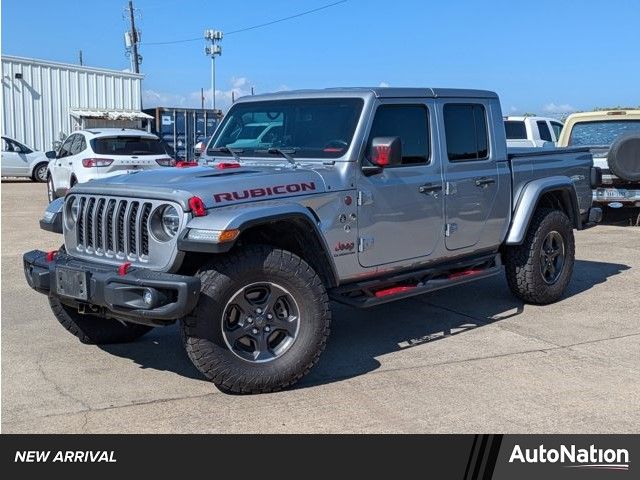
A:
[73, 206]
[170, 220]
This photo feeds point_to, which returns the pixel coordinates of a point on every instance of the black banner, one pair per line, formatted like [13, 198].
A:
[467, 457]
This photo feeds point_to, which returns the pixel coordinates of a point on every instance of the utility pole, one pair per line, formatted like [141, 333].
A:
[202, 98]
[134, 39]
[80, 57]
[213, 36]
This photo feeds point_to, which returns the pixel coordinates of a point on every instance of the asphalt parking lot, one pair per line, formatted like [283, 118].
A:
[467, 359]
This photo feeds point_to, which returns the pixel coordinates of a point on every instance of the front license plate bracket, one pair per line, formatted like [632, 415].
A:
[73, 283]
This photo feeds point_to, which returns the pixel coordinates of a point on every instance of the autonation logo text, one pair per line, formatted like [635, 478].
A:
[573, 457]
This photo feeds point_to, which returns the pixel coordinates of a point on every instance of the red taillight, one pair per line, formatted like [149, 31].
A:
[51, 255]
[183, 164]
[385, 292]
[381, 155]
[166, 162]
[197, 206]
[124, 268]
[224, 165]
[96, 162]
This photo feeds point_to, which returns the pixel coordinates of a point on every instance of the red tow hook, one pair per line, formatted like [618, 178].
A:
[124, 268]
[51, 255]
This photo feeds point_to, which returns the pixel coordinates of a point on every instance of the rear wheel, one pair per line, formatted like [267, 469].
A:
[261, 323]
[539, 270]
[91, 329]
[40, 173]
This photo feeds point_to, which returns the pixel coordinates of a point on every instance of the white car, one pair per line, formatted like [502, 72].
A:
[103, 152]
[19, 160]
[530, 131]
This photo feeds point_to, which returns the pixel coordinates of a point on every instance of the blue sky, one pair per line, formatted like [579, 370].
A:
[540, 56]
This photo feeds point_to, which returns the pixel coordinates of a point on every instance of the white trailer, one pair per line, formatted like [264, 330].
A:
[43, 101]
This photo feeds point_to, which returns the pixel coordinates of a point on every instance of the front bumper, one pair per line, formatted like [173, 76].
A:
[107, 293]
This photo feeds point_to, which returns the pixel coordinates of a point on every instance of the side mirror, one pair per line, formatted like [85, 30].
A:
[51, 154]
[386, 151]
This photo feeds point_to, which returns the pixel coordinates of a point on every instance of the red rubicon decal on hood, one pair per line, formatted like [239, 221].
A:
[264, 192]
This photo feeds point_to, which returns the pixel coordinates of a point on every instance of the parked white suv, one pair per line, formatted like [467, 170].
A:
[530, 131]
[99, 153]
[18, 160]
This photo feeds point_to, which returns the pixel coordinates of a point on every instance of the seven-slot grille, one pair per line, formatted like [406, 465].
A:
[109, 226]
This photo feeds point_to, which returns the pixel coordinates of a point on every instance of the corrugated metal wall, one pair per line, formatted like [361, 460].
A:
[35, 108]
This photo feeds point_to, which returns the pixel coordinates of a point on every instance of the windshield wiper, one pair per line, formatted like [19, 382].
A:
[232, 151]
[286, 153]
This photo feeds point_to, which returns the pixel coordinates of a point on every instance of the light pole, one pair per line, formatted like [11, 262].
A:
[213, 36]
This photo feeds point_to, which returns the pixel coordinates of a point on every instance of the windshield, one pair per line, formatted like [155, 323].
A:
[309, 128]
[127, 146]
[602, 132]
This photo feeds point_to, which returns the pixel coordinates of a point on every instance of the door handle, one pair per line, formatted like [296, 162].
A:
[70, 163]
[430, 188]
[484, 181]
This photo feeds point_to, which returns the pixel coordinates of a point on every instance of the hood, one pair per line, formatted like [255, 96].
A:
[216, 187]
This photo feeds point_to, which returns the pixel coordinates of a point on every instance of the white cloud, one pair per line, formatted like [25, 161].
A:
[513, 109]
[383, 84]
[240, 86]
[558, 108]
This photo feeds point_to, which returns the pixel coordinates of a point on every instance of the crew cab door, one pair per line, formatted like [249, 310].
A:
[400, 207]
[477, 183]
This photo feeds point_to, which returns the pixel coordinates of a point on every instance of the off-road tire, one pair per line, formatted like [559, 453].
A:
[223, 276]
[93, 330]
[522, 262]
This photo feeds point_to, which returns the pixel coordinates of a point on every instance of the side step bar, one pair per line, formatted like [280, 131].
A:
[376, 292]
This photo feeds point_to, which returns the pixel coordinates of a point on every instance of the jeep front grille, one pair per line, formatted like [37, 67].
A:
[118, 229]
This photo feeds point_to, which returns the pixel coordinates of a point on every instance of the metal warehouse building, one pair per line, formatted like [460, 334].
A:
[43, 101]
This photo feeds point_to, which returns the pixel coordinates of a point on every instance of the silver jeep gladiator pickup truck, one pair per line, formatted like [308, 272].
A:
[361, 196]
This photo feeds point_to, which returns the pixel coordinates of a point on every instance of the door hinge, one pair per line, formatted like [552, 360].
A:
[365, 243]
[450, 188]
[450, 228]
[364, 198]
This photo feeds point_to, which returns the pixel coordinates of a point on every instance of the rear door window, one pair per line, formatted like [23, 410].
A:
[545, 133]
[515, 130]
[465, 127]
[127, 146]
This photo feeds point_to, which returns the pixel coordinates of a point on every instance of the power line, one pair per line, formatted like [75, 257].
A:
[286, 18]
[253, 27]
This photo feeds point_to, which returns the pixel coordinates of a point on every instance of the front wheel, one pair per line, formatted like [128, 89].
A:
[261, 323]
[539, 270]
[51, 189]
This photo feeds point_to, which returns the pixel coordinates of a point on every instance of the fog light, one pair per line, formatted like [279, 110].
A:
[147, 297]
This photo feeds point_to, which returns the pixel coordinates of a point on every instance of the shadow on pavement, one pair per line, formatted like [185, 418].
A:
[358, 337]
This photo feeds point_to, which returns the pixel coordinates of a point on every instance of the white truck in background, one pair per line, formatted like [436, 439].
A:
[530, 131]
